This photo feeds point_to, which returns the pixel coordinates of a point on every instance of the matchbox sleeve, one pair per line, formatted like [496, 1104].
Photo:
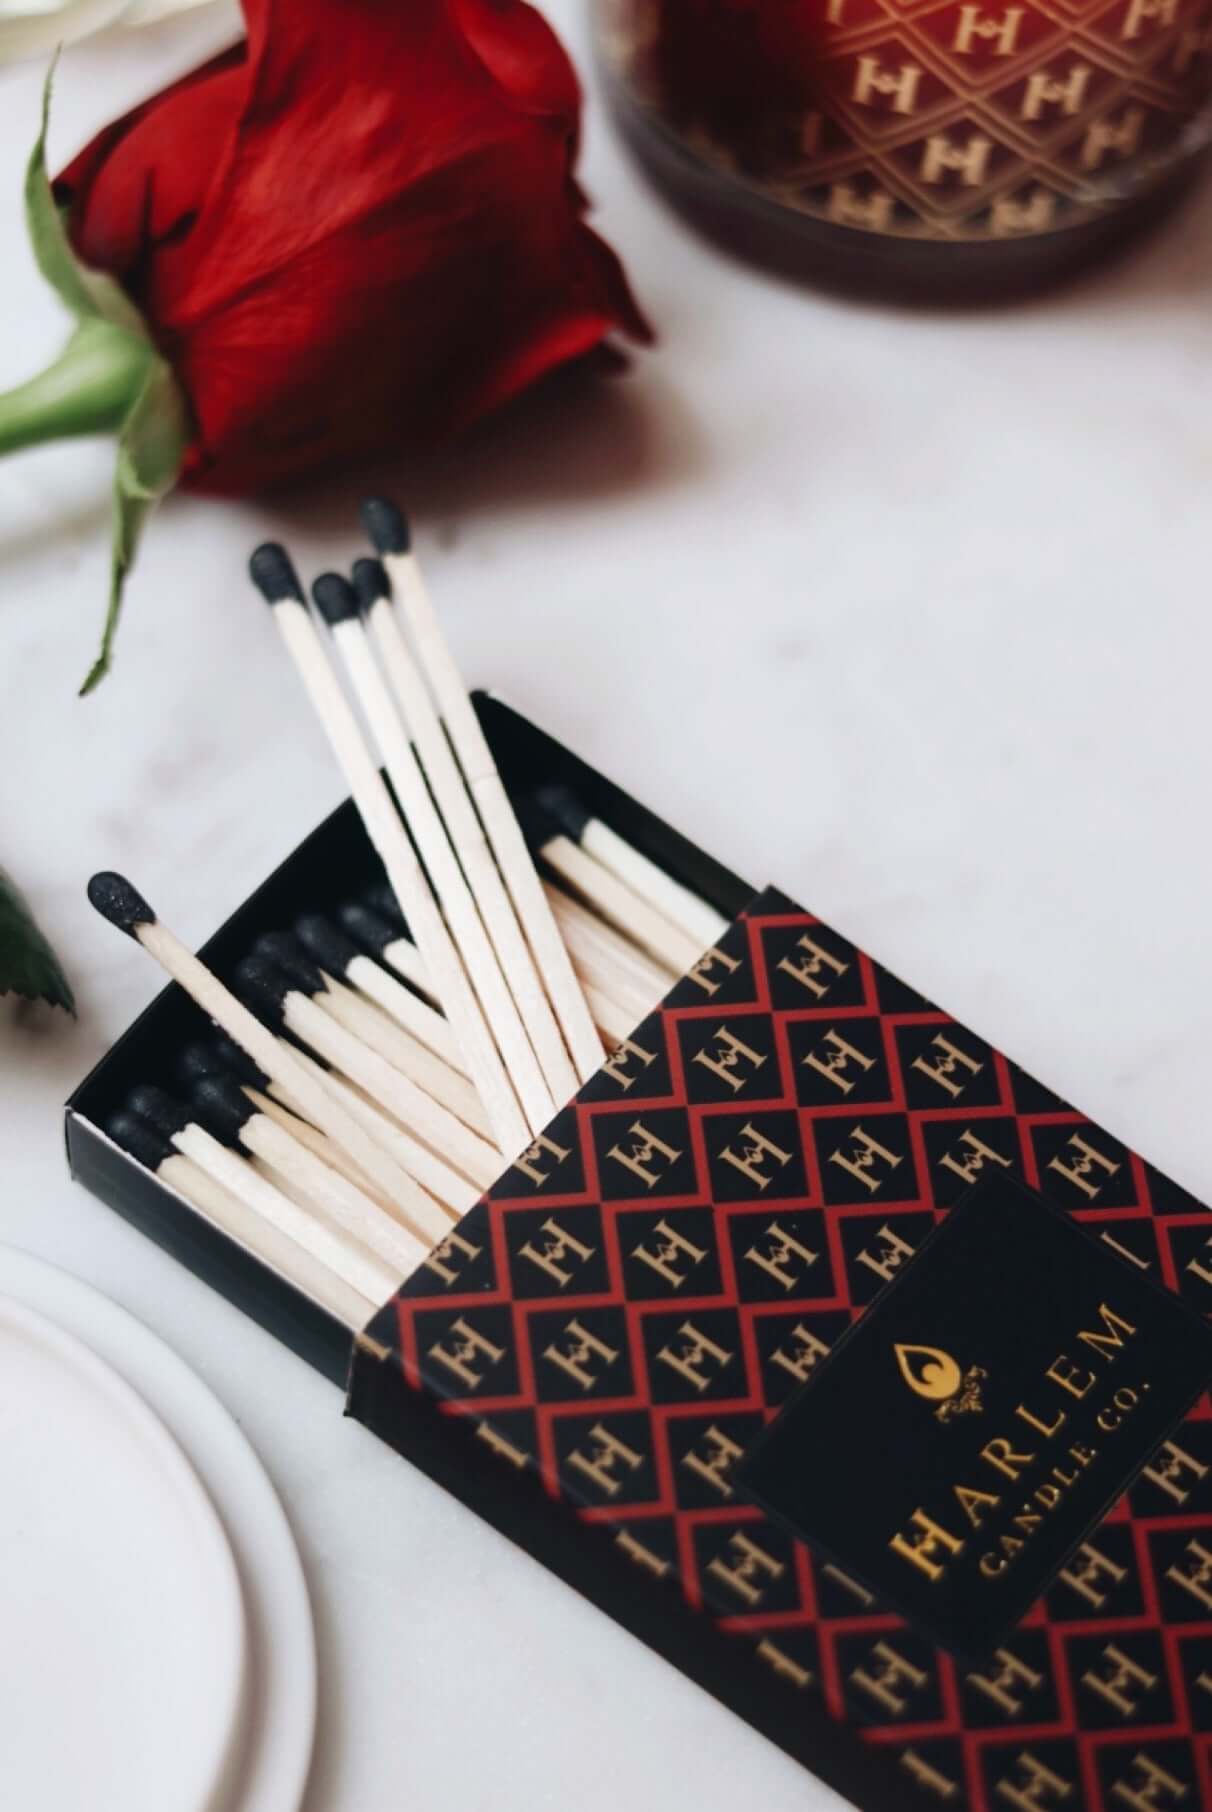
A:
[855, 1372]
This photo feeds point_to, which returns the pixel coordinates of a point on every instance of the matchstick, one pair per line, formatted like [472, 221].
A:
[583, 931]
[316, 1142]
[388, 531]
[370, 926]
[374, 1027]
[454, 1191]
[198, 1061]
[677, 903]
[373, 589]
[446, 1185]
[275, 578]
[342, 952]
[439, 1130]
[225, 1211]
[612, 898]
[337, 603]
[337, 955]
[613, 1017]
[224, 1109]
[347, 1257]
[115, 899]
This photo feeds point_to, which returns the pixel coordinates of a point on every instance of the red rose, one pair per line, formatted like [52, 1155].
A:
[357, 231]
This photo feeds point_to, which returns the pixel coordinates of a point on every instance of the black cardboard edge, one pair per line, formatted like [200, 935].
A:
[124, 1184]
[513, 1502]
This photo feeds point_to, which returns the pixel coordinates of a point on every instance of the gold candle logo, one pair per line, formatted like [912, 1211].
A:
[931, 1373]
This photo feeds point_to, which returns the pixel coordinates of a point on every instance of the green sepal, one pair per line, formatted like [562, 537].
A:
[150, 445]
[28, 965]
[84, 293]
[110, 378]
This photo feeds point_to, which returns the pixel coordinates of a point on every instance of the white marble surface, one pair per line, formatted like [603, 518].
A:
[945, 578]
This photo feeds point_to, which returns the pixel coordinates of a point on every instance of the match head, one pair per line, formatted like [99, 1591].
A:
[367, 927]
[330, 948]
[272, 571]
[220, 1057]
[264, 987]
[116, 900]
[370, 582]
[222, 1105]
[143, 1142]
[285, 951]
[163, 1111]
[335, 599]
[381, 898]
[535, 821]
[562, 806]
[387, 525]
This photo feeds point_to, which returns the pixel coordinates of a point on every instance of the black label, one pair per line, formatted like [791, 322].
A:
[979, 1420]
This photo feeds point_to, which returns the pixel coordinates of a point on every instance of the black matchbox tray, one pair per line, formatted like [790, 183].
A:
[827, 1351]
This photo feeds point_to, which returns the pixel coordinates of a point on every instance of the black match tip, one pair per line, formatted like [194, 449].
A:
[116, 900]
[264, 987]
[562, 805]
[330, 948]
[535, 821]
[335, 599]
[272, 571]
[222, 1105]
[143, 1142]
[381, 898]
[284, 950]
[163, 1111]
[219, 1058]
[387, 525]
[371, 583]
[240, 1063]
[367, 927]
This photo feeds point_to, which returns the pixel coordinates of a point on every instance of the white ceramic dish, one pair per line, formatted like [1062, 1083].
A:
[196, 1606]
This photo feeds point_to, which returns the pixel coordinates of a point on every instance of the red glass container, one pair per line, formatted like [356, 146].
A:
[950, 149]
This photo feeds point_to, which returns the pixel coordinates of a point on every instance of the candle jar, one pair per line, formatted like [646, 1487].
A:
[911, 149]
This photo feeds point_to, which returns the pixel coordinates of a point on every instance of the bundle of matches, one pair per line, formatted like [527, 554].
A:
[380, 1068]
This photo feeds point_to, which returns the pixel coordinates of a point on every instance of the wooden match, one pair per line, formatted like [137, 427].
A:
[612, 898]
[337, 603]
[278, 583]
[343, 1254]
[448, 1087]
[437, 1129]
[224, 1109]
[678, 904]
[373, 589]
[117, 900]
[286, 1257]
[338, 954]
[388, 531]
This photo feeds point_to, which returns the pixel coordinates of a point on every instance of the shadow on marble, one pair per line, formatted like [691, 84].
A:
[574, 440]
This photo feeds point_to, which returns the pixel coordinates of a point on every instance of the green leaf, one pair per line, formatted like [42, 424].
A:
[28, 965]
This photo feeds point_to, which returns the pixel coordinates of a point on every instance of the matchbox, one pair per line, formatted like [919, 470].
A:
[757, 1258]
